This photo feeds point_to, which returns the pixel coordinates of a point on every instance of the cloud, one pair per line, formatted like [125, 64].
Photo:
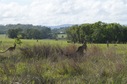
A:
[11, 13]
[55, 12]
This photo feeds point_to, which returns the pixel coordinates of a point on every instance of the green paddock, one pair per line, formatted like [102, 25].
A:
[5, 41]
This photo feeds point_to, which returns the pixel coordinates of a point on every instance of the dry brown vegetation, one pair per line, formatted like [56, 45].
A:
[56, 64]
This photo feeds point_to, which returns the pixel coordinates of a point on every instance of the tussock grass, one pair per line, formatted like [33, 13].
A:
[58, 64]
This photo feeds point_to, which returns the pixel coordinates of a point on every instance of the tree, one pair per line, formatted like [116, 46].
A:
[86, 32]
[98, 32]
[45, 33]
[13, 33]
[72, 33]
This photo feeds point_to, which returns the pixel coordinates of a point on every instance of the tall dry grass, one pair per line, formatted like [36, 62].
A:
[53, 64]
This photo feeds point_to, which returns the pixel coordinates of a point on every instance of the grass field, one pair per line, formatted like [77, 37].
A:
[55, 62]
[62, 36]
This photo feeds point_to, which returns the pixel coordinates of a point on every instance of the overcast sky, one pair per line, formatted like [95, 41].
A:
[56, 12]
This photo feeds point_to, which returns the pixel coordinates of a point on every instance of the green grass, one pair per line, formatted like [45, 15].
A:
[62, 36]
[45, 62]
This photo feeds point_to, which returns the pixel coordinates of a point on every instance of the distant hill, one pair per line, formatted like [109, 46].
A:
[61, 26]
[59, 30]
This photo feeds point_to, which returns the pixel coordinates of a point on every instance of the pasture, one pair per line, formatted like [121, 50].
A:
[45, 62]
[62, 36]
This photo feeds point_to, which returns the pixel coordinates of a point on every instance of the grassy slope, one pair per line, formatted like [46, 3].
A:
[101, 65]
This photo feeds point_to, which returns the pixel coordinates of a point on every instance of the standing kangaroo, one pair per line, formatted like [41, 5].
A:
[81, 49]
[10, 49]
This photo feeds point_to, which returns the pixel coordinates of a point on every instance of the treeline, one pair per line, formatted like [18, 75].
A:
[28, 31]
[5, 28]
[98, 32]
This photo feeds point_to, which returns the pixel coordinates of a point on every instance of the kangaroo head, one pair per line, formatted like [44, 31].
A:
[84, 43]
[14, 44]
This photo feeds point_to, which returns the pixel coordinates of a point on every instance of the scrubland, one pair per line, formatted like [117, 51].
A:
[56, 62]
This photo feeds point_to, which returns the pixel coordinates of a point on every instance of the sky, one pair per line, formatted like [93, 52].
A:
[57, 12]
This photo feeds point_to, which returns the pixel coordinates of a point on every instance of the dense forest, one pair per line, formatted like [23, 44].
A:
[98, 32]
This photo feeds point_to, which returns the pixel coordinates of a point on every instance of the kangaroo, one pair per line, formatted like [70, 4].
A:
[10, 49]
[81, 49]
